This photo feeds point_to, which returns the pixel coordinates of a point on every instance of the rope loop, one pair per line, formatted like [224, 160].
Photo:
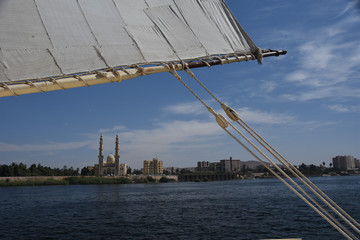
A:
[101, 74]
[116, 74]
[35, 86]
[246, 57]
[233, 55]
[166, 65]
[81, 79]
[57, 83]
[140, 69]
[127, 72]
[205, 62]
[220, 59]
[184, 65]
[187, 69]
[172, 71]
[227, 59]
[252, 56]
[4, 85]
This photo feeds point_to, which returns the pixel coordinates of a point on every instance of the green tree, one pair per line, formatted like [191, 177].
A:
[23, 170]
[5, 171]
[33, 170]
[137, 172]
[304, 169]
[15, 169]
[85, 171]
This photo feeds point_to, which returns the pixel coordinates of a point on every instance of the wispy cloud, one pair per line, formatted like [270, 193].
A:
[113, 129]
[248, 114]
[169, 136]
[186, 108]
[268, 86]
[333, 92]
[266, 118]
[46, 147]
[344, 109]
[272, 9]
[259, 117]
[352, 5]
[256, 116]
[327, 64]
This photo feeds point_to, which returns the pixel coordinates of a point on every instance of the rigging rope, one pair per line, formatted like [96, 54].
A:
[222, 121]
[321, 195]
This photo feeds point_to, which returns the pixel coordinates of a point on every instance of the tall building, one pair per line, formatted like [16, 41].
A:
[100, 170]
[112, 166]
[153, 167]
[117, 157]
[230, 165]
[224, 166]
[357, 163]
[344, 162]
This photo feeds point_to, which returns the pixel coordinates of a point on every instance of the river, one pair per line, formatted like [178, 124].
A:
[245, 209]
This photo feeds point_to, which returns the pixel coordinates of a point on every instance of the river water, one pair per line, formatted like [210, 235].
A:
[246, 209]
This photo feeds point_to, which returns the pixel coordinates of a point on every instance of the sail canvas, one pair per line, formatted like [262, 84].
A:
[51, 38]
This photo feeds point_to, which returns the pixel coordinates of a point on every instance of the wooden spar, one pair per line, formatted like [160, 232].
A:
[116, 76]
[270, 53]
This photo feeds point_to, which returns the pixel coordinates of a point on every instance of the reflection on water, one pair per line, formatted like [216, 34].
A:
[252, 209]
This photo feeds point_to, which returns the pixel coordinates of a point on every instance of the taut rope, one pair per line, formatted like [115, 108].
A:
[223, 122]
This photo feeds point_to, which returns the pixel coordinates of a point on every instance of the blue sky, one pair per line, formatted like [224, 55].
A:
[306, 104]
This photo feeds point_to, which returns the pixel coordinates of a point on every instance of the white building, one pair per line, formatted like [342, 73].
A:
[344, 162]
[112, 166]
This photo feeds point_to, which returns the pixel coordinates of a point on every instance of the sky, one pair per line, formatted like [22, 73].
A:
[306, 103]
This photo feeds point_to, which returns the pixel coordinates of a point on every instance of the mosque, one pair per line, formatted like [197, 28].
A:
[112, 166]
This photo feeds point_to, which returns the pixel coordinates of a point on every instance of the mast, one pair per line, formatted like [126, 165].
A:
[117, 157]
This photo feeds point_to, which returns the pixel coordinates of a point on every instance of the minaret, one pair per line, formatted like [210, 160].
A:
[101, 158]
[117, 156]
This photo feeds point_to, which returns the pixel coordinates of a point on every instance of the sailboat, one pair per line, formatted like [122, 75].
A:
[48, 45]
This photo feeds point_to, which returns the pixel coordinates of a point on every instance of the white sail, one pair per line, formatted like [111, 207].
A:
[51, 38]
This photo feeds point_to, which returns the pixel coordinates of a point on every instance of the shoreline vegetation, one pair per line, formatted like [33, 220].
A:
[92, 180]
[16, 175]
[80, 180]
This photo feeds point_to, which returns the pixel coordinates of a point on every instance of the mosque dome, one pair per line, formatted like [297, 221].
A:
[110, 159]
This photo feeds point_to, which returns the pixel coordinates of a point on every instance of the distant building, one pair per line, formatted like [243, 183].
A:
[357, 163]
[203, 166]
[251, 165]
[112, 166]
[344, 162]
[224, 166]
[153, 167]
[230, 165]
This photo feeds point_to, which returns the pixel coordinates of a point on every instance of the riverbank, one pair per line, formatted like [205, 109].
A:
[80, 180]
[130, 179]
